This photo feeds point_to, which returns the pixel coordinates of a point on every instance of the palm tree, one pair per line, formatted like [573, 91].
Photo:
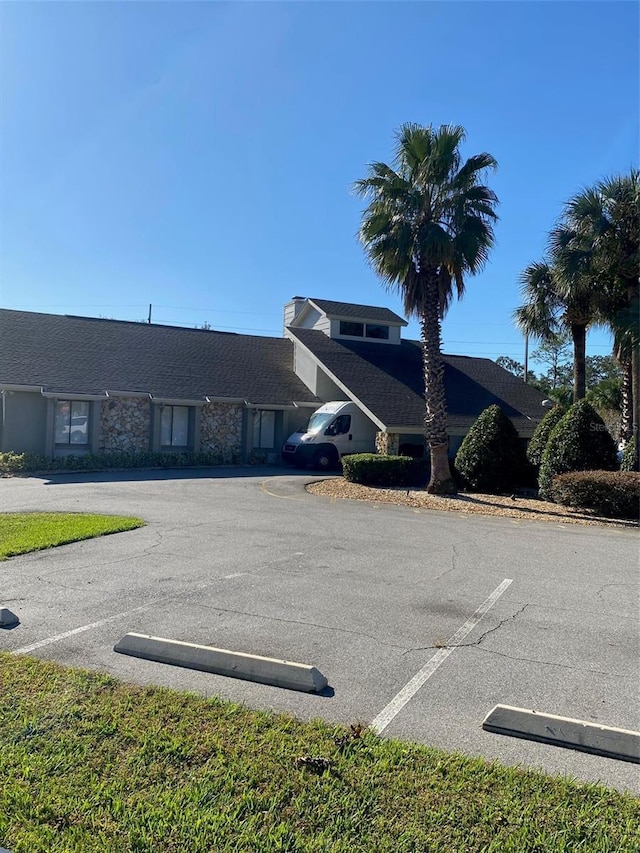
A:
[554, 306]
[602, 231]
[428, 224]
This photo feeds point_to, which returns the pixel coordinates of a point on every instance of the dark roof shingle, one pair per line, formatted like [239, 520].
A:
[362, 312]
[387, 379]
[89, 356]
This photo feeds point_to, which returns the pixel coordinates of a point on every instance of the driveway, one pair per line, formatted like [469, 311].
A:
[245, 559]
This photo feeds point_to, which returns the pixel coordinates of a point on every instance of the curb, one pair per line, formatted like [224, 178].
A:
[279, 673]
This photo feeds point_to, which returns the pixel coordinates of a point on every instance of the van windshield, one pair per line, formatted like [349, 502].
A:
[318, 421]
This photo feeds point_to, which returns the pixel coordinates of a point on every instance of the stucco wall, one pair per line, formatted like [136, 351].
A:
[23, 422]
[221, 429]
[125, 424]
[315, 378]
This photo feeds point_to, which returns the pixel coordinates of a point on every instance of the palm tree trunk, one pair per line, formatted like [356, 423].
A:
[635, 393]
[435, 422]
[633, 293]
[626, 414]
[579, 336]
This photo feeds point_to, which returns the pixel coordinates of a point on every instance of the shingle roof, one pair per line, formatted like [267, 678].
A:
[361, 312]
[88, 356]
[387, 379]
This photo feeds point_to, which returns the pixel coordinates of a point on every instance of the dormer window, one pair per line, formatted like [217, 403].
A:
[354, 330]
[373, 330]
[364, 330]
[343, 320]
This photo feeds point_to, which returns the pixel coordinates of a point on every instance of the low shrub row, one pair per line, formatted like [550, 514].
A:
[613, 494]
[371, 469]
[575, 452]
[14, 463]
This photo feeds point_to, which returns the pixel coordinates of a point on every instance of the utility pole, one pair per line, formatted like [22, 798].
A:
[149, 319]
[526, 356]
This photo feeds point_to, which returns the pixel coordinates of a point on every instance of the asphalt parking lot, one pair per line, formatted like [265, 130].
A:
[245, 559]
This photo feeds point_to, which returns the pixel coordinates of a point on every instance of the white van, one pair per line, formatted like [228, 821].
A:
[333, 431]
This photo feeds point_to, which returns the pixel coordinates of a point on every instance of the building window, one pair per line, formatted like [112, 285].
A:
[264, 429]
[174, 426]
[354, 330]
[381, 333]
[72, 422]
[364, 330]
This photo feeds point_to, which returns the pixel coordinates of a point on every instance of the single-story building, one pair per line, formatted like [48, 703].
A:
[74, 385]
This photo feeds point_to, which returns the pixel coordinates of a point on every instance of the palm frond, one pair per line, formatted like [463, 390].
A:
[539, 316]
[428, 214]
[468, 173]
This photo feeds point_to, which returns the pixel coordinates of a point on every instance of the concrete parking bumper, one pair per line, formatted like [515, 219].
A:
[279, 673]
[564, 731]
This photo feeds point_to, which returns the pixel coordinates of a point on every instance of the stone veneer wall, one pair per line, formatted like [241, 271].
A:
[387, 443]
[125, 424]
[221, 429]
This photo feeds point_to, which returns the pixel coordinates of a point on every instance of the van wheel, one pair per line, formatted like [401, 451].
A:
[325, 459]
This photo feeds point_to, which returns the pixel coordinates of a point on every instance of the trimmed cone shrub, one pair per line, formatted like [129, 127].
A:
[491, 458]
[373, 469]
[541, 435]
[579, 442]
[630, 456]
[614, 494]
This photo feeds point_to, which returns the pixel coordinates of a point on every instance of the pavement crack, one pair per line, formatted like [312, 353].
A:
[146, 552]
[601, 590]
[495, 627]
[452, 568]
[477, 642]
[332, 628]
[553, 663]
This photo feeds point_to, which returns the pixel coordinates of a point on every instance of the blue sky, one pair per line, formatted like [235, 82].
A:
[200, 156]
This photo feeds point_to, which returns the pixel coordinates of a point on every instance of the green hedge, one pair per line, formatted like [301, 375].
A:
[614, 494]
[579, 442]
[541, 434]
[630, 456]
[13, 463]
[492, 458]
[372, 469]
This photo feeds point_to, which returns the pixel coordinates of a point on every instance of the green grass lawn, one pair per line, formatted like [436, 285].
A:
[90, 764]
[21, 532]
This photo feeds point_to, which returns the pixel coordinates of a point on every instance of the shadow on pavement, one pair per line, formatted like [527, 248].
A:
[133, 475]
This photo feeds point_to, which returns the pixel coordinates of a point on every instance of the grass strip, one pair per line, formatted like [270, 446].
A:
[22, 532]
[90, 764]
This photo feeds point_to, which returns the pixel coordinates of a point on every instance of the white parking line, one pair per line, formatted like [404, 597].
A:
[100, 622]
[25, 649]
[410, 689]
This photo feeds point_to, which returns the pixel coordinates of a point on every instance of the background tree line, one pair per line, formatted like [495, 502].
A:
[589, 277]
[603, 379]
